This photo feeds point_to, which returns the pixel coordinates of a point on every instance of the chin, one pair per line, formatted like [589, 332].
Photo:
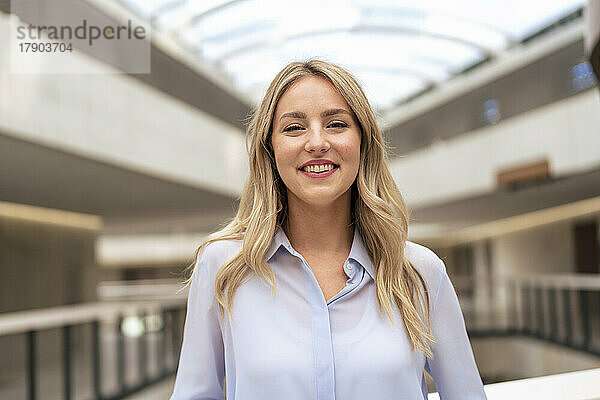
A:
[320, 198]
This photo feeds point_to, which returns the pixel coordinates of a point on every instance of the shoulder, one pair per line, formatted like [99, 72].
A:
[428, 264]
[424, 258]
[216, 254]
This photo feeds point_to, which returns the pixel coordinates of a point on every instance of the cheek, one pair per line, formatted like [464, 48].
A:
[276, 146]
[281, 155]
[346, 149]
[284, 156]
[350, 151]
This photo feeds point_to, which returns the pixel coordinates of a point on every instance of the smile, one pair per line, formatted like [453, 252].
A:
[319, 171]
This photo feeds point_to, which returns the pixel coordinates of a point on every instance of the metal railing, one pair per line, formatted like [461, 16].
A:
[105, 341]
[560, 308]
[125, 343]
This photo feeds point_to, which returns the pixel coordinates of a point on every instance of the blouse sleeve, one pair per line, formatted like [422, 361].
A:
[453, 367]
[201, 363]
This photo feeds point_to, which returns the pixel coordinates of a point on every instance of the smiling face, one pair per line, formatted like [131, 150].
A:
[313, 122]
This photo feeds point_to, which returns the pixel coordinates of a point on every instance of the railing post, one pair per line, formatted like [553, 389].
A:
[96, 364]
[552, 311]
[585, 319]
[175, 333]
[66, 334]
[539, 301]
[514, 317]
[31, 365]
[566, 294]
[120, 355]
[162, 346]
[526, 304]
[142, 352]
[596, 311]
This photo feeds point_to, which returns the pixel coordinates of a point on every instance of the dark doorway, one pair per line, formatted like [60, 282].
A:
[587, 248]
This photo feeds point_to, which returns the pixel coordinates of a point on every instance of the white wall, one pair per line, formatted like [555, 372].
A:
[547, 249]
[567, 133]
[118, 119]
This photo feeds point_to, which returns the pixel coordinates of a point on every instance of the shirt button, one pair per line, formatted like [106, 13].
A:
[348, 266]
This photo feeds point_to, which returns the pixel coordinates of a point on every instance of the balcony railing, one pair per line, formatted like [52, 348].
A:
[560, 308]
[130, 340]
[101, 351]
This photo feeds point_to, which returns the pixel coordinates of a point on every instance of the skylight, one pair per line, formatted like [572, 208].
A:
[395, 48]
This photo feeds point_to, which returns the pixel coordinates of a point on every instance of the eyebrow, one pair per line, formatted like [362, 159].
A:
[326, 113]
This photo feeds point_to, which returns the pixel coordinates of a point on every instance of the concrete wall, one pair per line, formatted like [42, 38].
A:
[566, 133]
[44, 265]
[546, 249]
[115, 118]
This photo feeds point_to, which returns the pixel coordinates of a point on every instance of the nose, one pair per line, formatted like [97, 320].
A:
[316, 141]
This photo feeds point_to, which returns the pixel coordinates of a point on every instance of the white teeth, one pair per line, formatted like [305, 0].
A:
[318, 168]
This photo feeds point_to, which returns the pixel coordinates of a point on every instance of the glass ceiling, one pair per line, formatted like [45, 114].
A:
[396, 49]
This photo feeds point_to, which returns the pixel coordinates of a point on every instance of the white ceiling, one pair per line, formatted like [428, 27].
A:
[395, 48]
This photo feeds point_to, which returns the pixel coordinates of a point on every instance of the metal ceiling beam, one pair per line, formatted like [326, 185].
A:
[359, 29]
[364, 11]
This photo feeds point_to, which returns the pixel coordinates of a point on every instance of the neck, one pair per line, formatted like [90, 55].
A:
[320, 229]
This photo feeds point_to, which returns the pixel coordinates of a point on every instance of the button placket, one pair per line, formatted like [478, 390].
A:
[322, 339]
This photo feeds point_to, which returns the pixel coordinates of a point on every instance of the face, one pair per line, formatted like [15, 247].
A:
[313, 122]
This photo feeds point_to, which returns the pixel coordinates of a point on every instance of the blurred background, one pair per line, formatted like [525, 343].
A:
[111, 175]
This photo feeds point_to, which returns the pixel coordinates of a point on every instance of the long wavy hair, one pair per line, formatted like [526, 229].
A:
[378, 209]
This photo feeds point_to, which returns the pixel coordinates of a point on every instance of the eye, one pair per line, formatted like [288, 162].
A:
[338, 124]
[292, 128]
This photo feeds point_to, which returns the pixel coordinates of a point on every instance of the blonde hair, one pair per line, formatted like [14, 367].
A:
[378, 209]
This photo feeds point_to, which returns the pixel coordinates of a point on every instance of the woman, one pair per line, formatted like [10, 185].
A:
[286, 301]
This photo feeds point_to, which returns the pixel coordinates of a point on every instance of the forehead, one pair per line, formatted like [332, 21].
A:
[310, 92]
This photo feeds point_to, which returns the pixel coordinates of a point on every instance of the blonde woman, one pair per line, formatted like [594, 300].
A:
[313, 291]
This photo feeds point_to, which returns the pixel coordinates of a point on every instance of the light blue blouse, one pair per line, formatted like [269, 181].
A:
[296, 346]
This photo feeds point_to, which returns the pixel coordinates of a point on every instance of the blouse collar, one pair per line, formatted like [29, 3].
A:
[358, 251]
